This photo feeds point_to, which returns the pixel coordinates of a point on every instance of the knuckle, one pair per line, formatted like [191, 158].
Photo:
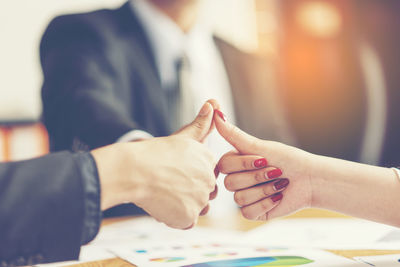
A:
[259, 177]
[189, 218]
[193, 217]
[245, 164]
[265, 206]
[239, 198]
[229, 183]
[222, 165]
[198, 124]
[204, 200]
[224, 161]
[247, 214]
[201, 199]
[224, 157]
[208, 181]
[266, 190]
[264, 217]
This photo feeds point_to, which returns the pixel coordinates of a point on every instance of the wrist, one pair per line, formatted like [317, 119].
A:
[319, 179]
[114, 169]
[340, 185]
[131, 172]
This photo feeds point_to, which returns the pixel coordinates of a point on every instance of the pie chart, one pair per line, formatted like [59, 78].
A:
[276, 261]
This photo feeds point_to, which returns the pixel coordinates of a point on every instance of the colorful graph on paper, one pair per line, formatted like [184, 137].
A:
[278, 261]
[229, 255]
[168, 259]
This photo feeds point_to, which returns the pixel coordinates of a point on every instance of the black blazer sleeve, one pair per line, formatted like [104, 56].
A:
[41, 210]
[84, 92]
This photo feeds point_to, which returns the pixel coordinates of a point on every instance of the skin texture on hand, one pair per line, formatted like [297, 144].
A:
[172, 178]
[178, 179]
[246, 180]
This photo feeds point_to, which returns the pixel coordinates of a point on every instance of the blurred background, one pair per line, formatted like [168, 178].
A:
[336, 63]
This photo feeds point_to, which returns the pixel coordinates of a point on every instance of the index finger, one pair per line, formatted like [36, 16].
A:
[242, 141]
[234, 162]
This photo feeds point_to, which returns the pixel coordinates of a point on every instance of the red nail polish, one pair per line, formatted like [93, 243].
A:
[276, 197]
[274, 173]
[260, 163]
[281, 183]
[220, 114]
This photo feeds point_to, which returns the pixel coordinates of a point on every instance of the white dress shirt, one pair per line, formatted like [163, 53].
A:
[169, 43]
[208, 75]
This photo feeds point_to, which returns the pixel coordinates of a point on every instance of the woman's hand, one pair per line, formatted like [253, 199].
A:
[256, 180]
[356, 189]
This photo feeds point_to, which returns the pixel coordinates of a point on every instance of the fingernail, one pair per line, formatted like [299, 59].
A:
[205, 109]
[220, 114]
[276, 197]
[281, 183]
[260, 163]
[274, 173]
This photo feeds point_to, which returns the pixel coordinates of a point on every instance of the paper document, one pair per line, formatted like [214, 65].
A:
[381, 261]
[196, 254]
[328, 233]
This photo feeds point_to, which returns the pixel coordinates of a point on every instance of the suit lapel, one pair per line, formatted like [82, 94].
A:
[145, 69]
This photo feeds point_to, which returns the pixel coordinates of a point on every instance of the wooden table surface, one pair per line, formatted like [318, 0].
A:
[239, 223]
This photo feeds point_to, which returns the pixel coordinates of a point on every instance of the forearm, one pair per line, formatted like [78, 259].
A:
[356, 189]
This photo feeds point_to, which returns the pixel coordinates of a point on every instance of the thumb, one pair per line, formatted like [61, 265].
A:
[199, 129]
[243, 142]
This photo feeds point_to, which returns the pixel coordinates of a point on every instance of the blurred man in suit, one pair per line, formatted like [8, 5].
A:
[142, 70]
[51, 205]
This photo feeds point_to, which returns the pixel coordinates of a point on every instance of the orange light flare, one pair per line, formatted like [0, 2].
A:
[313, 50]
[319, 18]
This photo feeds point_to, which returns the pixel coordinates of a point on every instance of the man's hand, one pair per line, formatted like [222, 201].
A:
[172, 178]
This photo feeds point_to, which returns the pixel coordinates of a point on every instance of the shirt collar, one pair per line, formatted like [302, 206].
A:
[167, 40]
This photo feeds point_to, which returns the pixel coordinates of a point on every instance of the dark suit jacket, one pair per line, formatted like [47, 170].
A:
[41, 210]
[101, 81]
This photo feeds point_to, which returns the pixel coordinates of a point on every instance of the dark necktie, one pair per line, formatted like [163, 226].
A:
[180, 98]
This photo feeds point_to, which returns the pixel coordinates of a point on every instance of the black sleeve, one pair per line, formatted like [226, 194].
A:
[41, 210]
[84, 94]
